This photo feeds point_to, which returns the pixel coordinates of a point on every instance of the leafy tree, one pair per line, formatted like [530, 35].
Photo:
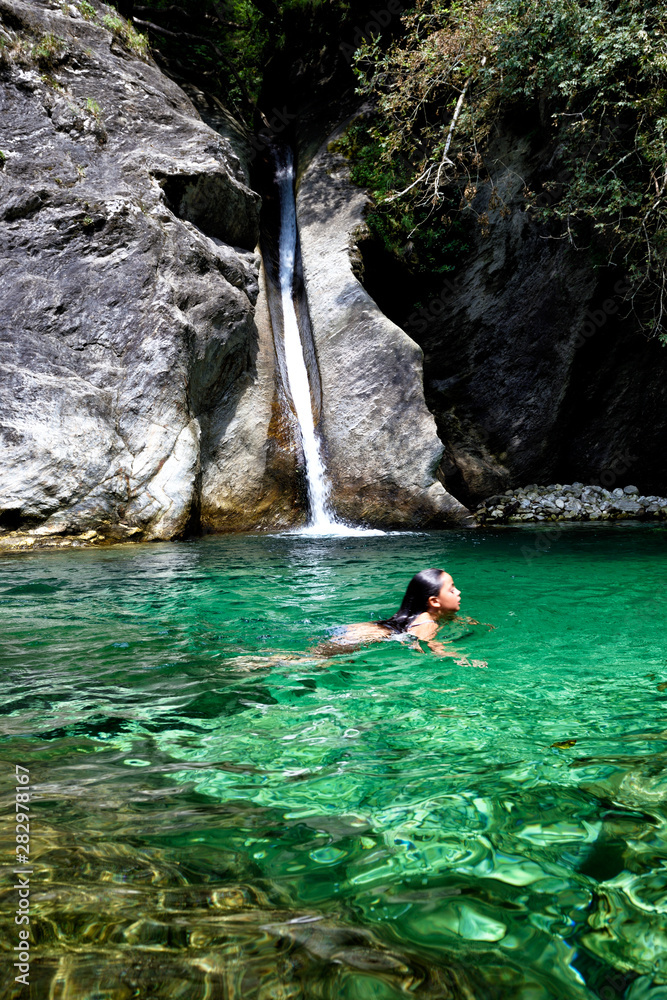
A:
[587, 77]
[254, 54]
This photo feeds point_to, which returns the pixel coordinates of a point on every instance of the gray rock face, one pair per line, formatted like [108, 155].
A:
[127, 299]
[382, 449]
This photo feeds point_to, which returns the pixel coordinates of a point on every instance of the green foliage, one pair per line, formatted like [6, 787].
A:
[426, 241]
[590, 77]
[113, 23]
[127, 34]
[49, 51]
[218, 44]
[94, 109]
[87, 10]
[251, 53]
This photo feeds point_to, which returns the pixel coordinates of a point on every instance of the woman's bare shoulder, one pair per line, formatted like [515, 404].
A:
[423, 630]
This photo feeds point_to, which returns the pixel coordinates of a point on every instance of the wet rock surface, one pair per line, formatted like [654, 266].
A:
[382, 448]
[129, 285]
[576, 502]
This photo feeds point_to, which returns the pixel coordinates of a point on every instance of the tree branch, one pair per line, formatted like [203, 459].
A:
[173, 9]
[400, 194]
[445, 158]
[200, 38]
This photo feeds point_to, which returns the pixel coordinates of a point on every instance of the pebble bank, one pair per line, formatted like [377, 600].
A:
[570, 503]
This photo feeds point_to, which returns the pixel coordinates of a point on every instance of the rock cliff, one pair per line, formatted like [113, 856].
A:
[127, 306]
[142, 395]
[534, 365]
[382, 448]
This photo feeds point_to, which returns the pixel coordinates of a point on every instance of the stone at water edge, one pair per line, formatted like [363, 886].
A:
[129, 332]
[596, 504]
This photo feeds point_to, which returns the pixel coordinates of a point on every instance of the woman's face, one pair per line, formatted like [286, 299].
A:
[448, 598]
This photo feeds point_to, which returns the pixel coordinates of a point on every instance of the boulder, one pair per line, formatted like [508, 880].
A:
[127, 304]
[382, 447]
[628, 506]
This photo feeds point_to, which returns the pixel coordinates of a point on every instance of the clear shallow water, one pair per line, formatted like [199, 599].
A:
[219, 813]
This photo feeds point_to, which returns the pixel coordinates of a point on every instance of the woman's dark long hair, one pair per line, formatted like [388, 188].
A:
[423, 585]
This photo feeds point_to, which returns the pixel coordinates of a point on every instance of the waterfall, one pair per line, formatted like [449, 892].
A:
[322, 519]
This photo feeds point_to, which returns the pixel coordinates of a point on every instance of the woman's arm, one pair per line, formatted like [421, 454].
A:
[440, 649]
[465, 620]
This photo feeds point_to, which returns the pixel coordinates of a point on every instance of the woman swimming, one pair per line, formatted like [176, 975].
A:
[430, 600]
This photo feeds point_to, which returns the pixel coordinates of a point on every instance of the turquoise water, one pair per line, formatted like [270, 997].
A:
[218, 812]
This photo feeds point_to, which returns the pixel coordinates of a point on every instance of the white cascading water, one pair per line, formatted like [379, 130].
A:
[322, 519]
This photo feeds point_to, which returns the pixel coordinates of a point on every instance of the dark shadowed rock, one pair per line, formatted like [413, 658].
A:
[534, 367]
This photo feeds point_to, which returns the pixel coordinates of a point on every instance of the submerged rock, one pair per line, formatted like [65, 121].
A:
[129, 283]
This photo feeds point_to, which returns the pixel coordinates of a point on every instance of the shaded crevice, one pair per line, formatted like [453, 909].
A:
[388, 281]
[214, 204]
[14, 519]
[193, 526]
[25, 205]
[283, 434]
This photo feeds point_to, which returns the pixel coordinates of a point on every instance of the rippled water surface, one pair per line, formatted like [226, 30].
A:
[219, 812]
